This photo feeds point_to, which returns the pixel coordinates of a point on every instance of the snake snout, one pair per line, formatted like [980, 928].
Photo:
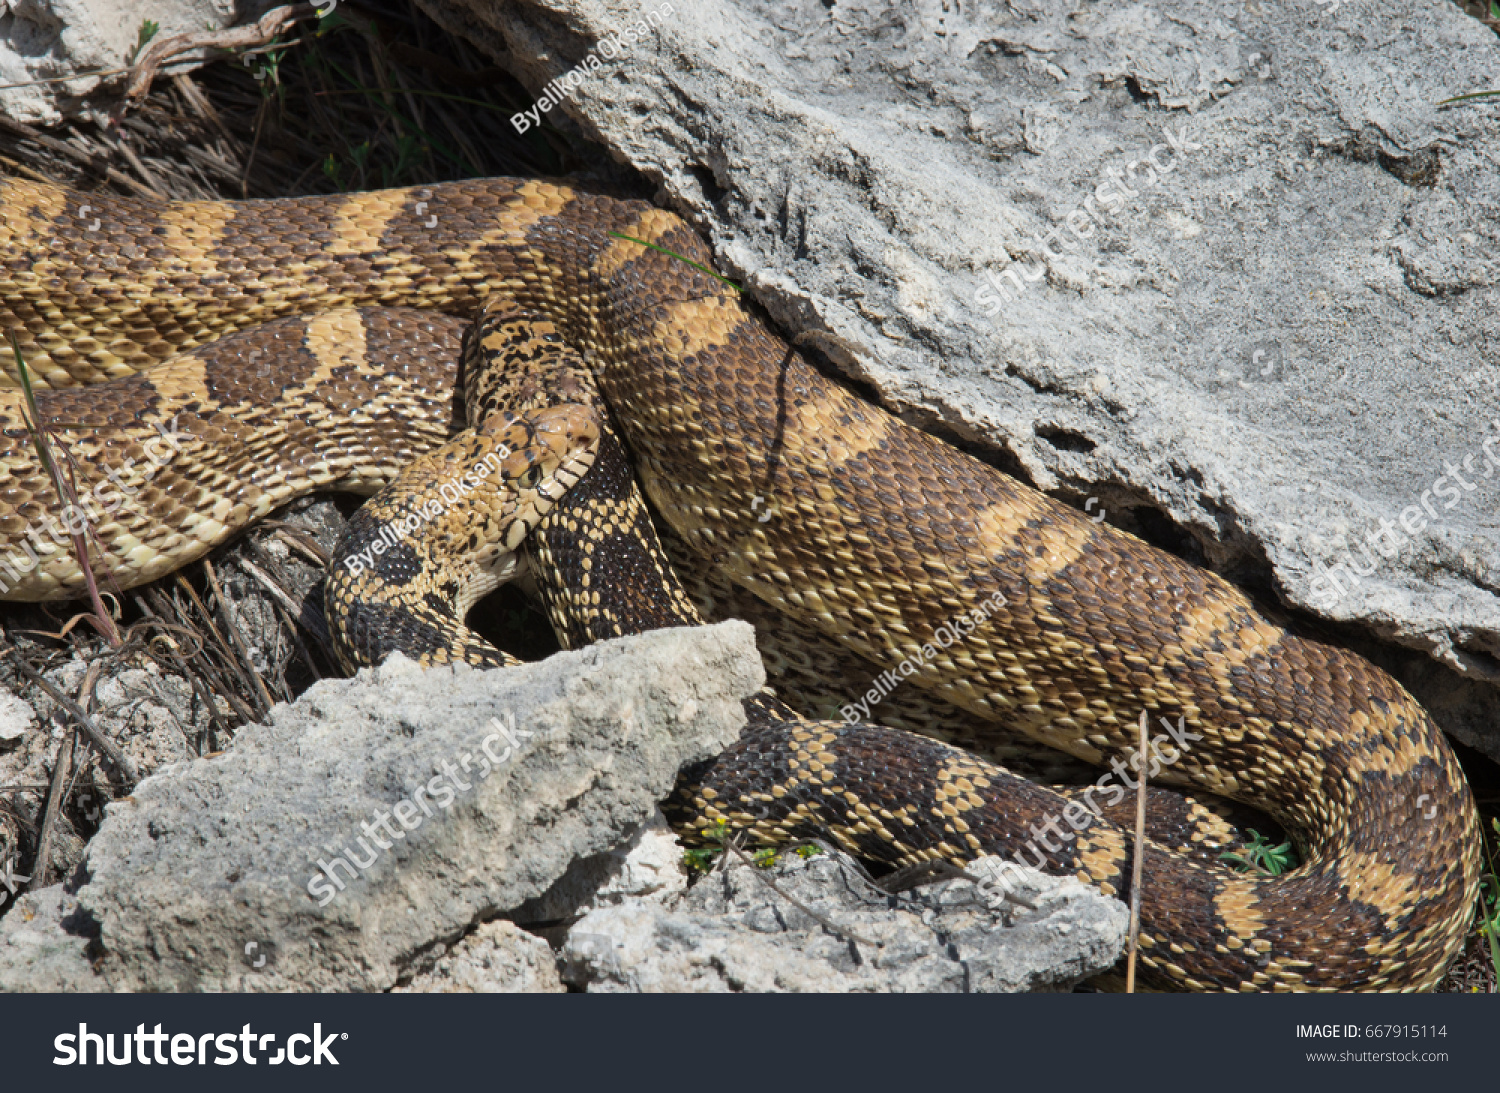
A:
[573, 424]
[546, 450]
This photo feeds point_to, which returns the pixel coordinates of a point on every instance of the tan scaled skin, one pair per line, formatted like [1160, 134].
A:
[880, 536]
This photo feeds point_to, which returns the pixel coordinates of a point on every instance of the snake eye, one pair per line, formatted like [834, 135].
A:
[532, 476]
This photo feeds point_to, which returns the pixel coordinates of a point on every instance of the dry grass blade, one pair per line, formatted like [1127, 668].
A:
[1140, 857]
[201, 666]
[249, 677]
[64, 769]
[41, 869]
[97, 160]
[165, 645]
[42, 439]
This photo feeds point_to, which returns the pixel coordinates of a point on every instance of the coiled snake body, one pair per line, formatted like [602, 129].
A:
[877, 535]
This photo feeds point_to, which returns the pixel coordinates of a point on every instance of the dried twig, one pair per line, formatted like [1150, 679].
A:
[299, 540]
[218, 675]
[193, 95]
[41, 869]
[204, 691]
[242, 651]
[148, 178]
[309, 617]
[294, 612]
[163, 50]
[105, 745]
[62, 771]
[63, 148]
[168, 643]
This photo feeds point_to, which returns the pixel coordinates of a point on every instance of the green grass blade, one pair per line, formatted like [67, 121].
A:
[680, 258]
[1471, 95]
[30, 415]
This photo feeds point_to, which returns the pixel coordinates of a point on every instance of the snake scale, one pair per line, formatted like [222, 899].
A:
[877, 536]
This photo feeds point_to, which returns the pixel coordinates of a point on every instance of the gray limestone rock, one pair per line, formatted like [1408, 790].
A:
[648, 865]
[44, 945]
[153, 716]
[16, 717]
[42, 42]
[380, 816]
[732, 932]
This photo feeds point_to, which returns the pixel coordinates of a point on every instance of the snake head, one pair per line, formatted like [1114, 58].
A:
[535, 444]
[547, 450]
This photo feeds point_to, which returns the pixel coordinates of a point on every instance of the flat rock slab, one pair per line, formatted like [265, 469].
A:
[380, 816]
[1223, 275]
[732, 932]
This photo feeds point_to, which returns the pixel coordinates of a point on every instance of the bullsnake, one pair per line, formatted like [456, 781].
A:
[826, 508]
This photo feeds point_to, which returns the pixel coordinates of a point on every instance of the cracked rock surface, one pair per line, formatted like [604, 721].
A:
[733, 932]
[497, 958]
